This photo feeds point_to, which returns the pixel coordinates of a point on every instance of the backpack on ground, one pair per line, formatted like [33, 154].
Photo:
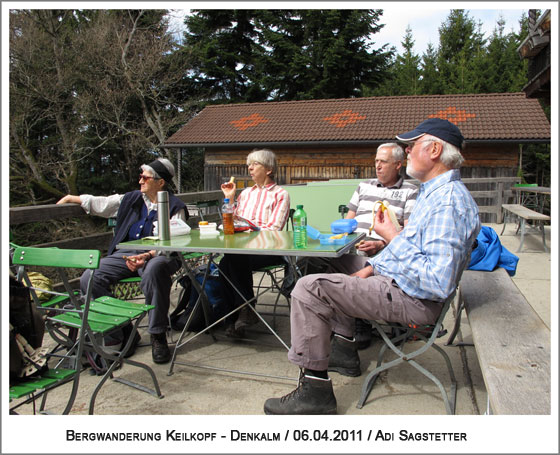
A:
[27, 328]
[214, 292]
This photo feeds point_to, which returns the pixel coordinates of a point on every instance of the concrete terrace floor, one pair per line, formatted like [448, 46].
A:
[401, 391]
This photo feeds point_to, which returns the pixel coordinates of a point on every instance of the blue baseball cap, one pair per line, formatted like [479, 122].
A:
[438, 127]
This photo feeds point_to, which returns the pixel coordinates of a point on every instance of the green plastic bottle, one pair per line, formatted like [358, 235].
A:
[300, 228]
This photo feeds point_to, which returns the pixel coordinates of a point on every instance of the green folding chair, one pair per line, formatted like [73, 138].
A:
[78, 324]
[277, 276]
[207, 205]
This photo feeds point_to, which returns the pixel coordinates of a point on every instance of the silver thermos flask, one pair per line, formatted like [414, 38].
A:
[163, 215]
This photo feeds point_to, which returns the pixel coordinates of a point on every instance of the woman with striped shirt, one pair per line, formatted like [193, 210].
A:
[267, 205]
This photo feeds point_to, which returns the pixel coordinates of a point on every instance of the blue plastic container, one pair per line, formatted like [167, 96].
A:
[312, 232]
[344, 226]
[324, 239]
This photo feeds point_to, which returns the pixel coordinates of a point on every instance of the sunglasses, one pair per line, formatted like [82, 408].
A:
[145, 177]
[411, 145]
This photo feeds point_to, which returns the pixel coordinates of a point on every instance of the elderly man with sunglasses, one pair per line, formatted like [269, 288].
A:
[406, 282]
[135, 212]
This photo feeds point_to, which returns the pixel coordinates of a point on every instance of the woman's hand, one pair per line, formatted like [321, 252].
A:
[70, 199]
[229, 190]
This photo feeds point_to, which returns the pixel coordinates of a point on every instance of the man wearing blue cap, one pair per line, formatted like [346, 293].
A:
[135, 212]
[406, 282]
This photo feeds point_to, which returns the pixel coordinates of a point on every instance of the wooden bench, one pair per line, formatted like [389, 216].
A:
[525, 214]
[511, 341]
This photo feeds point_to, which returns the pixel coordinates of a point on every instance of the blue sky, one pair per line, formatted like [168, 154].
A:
[425, 22]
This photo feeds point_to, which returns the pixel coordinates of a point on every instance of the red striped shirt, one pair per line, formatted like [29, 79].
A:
[268, 207]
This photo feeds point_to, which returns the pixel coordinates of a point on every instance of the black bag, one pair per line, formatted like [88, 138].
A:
[26, 334]
[214, 292]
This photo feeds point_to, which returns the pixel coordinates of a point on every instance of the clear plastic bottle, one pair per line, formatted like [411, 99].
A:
[300, 228]
[227, 216]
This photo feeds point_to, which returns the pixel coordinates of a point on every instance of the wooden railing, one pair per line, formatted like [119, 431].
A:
[42, 213]
[489, 200]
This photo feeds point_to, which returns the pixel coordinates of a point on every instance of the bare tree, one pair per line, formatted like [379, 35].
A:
[88, 87]
[131, 75]
[44, 130]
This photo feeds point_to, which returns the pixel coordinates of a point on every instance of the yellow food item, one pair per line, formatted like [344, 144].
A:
[338, 236]
[384, 206]
[232, 179]
[203, 223]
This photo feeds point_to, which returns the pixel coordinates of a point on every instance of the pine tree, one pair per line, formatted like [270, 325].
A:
[430, 83]
[255, 55]
[321, 53]
[388, 86]
[407, 75]
[461, 49]
[503, 70]
[223, 48]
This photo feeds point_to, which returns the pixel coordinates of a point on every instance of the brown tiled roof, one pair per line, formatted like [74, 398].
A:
[483, 117]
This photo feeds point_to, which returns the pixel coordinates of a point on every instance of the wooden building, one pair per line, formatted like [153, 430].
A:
[328, 139]
[536, 49]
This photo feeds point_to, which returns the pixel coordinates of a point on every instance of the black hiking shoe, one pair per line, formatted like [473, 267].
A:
[362, 334]
[133, 346]
[246, 318]
[160, 350]
[312, 396]
[344, 357]
[127, 331]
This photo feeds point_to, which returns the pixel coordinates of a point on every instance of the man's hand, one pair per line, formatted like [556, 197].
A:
[370, 247]
[137, 262]
[384, 226]
[366, 272]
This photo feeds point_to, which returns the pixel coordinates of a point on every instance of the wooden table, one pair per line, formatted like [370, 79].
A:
[525, 214]
[532, 197]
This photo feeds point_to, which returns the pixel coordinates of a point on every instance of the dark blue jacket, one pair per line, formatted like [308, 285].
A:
[130, 212]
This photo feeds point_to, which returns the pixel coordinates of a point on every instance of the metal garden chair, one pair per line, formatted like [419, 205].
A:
[278, 276]
[78, 323]
[400, 335]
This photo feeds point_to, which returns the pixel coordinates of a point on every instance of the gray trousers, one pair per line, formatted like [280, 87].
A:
[156, 283]
[324, 303]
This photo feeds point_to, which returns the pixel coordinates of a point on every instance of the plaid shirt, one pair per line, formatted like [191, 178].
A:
[428, 255]
[268, 207]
